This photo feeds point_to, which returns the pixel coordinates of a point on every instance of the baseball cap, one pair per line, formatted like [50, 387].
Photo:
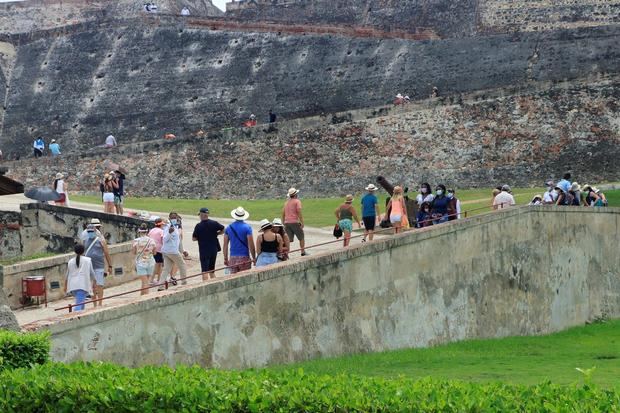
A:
[204, 210]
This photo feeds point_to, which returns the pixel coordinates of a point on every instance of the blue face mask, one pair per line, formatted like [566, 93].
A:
[450, 195]
[173, 222]
[91, 234]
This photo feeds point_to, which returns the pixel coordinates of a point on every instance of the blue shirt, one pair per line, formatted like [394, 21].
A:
[368, 205]
[565, 185]
[238, 233]
[54, 148]
[440, 205]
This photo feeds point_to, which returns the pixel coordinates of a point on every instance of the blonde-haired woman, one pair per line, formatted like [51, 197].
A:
[398, 210]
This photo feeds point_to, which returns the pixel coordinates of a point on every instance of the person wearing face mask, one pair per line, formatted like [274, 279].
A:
[425, 195]
[172, 254]
[550, 196]
[454, 206]
[424, 217]
[504, 199]
[440, 205]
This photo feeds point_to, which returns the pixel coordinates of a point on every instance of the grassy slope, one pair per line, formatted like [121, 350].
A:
[318, 212]
[524, 360]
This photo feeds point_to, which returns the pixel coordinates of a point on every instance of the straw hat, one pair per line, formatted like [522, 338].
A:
[575, 187]
[95, 222]
[398, 189]
[348, 199]
[277, 222]
[265, 224]
[371, 188]
[59, 175]
[239, 214]
[293, 191]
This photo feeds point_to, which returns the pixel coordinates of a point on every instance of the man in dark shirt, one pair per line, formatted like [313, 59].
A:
[119, 192]
[206, 233]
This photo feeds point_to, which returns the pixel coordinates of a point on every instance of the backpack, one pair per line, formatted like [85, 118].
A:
[568, 199]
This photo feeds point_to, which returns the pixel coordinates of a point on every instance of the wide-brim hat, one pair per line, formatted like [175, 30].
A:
[537, 196]
[277, 222]
[265, 224]
[239, 214]
[575, 187]
[371, 187]
[95, 222]
[59, 175]
[293, 191]
[399, 96]
[348, 198]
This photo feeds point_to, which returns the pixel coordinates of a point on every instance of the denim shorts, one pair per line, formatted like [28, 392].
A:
[99, 278]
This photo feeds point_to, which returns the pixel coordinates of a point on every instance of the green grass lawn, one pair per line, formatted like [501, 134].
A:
[318, 212]
[523, 360]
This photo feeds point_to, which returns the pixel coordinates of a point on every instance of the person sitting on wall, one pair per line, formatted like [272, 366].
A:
[399, 100]
[250, 122]
[110, 142]
[184, 11]
[435, 92]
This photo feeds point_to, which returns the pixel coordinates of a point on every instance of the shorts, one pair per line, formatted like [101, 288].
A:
[293, 230]
[207, 262]
[395, 218]
[118, 200]
[108, 197]
[369, 223]
[159, 258]
[99, 277]
[142, 270]
[346, 225]
[238, 264]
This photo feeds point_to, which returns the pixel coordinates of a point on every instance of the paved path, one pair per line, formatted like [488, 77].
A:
[32, 314]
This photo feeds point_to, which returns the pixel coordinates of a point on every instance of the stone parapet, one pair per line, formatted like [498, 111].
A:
[511, 272]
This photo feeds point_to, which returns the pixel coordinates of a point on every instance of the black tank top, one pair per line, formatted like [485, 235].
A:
[269, 246]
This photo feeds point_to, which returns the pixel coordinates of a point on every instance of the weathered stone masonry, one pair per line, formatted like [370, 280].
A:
[521, 139]
[141, 82]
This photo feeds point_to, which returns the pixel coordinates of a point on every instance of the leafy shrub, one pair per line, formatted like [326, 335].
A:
[99, 387]
[23, 349]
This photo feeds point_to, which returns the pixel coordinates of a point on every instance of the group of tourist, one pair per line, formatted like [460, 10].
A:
[112, 188]
[159, 252]
[567, 193]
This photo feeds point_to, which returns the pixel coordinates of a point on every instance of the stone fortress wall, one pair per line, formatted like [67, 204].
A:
[31, 15]
[140, 78]
[521, 137]
[142, 82]
[450, 18]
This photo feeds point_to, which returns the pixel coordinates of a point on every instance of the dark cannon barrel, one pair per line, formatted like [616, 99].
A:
[385, 184]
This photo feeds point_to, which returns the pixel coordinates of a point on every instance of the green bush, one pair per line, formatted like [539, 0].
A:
[23, 349]
[98, 387]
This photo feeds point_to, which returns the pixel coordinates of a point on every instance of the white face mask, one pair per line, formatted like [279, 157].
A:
[439, 192]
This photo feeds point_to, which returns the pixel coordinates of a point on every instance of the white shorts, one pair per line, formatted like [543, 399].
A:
[108, 197]
[395, 218]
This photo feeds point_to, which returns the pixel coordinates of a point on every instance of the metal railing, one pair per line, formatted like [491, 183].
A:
[166, 284]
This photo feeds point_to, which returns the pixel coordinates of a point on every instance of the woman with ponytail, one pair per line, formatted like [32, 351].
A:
[80, 276]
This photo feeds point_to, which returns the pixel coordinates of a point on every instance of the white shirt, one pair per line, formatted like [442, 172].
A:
[171, 242]
[110, 140]
[420, 199]
[550, 197]
[79, 278]
[504, 200]
[185, 11]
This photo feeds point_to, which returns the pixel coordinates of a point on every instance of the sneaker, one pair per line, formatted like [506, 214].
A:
[303, 254]
[173, 281]
[363, 239]
[161, 289]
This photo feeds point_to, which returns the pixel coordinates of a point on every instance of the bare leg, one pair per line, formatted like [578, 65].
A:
[98, 291]
[145, 284]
